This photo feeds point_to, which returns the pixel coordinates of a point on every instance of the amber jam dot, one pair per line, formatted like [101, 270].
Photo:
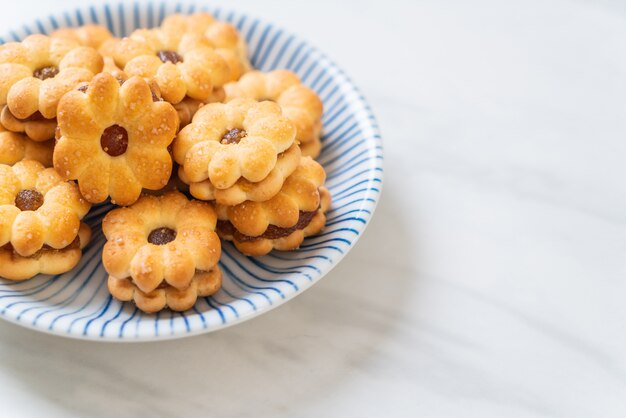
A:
[161, 236]
[169, 56]
[45, 72]
[114, 140]
[233, 136]
[28, 200]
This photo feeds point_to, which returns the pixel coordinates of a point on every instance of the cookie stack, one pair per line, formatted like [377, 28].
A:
[173, 125]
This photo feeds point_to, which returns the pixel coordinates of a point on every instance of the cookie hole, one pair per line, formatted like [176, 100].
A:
[161, 236]
[28, 199]
[233, 136]
[114, 140]
[83, 87]
[45, 73]
[170, 56]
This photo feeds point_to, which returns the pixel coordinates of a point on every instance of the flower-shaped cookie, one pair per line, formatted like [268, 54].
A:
[182, 64]
[37, 208]
[243, 189]
[15, 147]
[45, 261]
[37, 72]
[162, 251]
[239, 139]
[282, 222]
[222, 35]
[298, 102]
[87, 35]
[114, 139]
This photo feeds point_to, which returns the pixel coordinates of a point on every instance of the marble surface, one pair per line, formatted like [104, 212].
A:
[491, 281]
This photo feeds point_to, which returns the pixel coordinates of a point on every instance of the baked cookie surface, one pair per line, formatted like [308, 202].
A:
[299, 103]
[47, 260]
[181, 64]
[38, 208]
[282, 222]
[162, 252]
[239, 139]
[37, 72]
[87, 35]
[36, 127]
[223, 36]
[15, 147]
[243, 190]
[114, 139]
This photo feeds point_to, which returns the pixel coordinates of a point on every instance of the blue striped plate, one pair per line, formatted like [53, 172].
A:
[78, 305]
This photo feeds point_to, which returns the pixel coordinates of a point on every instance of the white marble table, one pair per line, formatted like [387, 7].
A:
[492, 280]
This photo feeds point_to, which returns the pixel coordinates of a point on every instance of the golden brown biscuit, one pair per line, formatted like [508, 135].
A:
[239, 139]
[222, 35]
[15, 147]
[162, 251]
[243, 189]
[175, 184]
[188, 107]
[203, 283]
[87, 35]
[36, 127]
[37, 208]
[37, 72]
[182, 64]
[45, 261]
[298, 102]
[111, 68]
[282, 222]
[114, 139]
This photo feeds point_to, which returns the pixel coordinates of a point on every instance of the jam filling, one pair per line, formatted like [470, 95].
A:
[169, 56]
[164, 284]
[272, 231]
[156, 97]
[28, 199]
[35, 117]
[45, 72]
[161, 236]
[46, 248]
[233, 136]
[114, 140]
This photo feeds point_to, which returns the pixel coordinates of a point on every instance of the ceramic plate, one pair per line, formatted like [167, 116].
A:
[77, 304]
